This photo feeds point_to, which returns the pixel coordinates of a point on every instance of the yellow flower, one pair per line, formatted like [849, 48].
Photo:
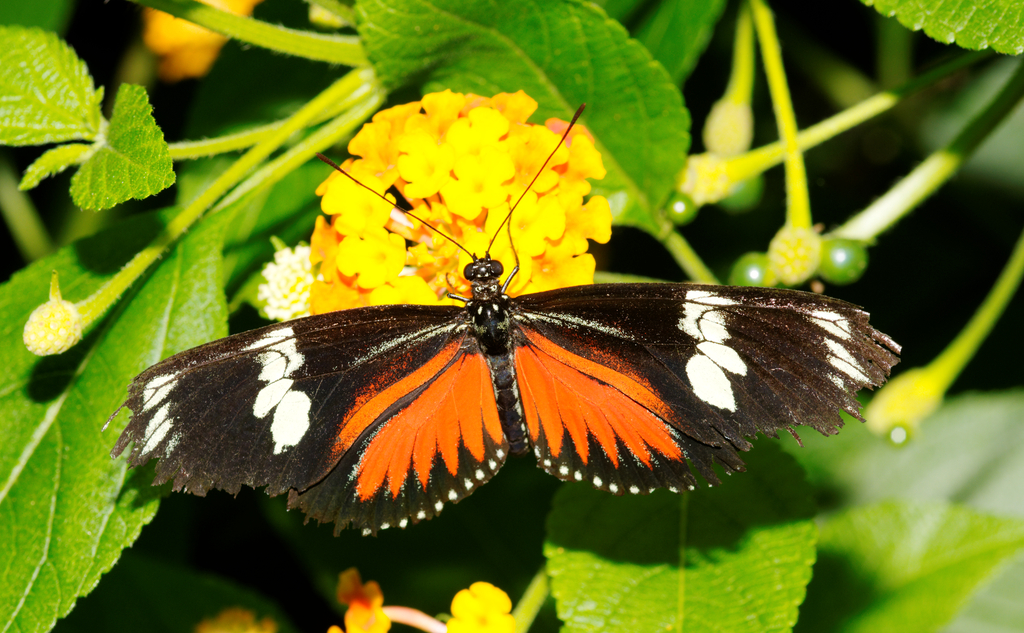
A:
[372, 259]
[185, 49]
[365, 602]
[483, 608]
[461, 161]
[236, 620]
[478, 183]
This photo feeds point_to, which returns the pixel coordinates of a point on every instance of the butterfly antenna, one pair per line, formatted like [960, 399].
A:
[565, 135]
[405, 211]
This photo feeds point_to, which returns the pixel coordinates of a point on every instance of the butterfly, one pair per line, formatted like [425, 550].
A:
[377, 417]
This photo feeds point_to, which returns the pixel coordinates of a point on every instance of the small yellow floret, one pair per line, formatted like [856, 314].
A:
[483, 608]
[793, 254]
[54, 327]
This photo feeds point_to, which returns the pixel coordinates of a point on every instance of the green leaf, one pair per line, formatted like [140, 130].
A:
[983, 472]
[977, 24]
[52, 15]
[53, 162]
[562, 53]
[677, 32]
[133, 162]
[48, 94]
[738, 555]
[620, 10]
[143, 594]
[904, 566]
[65, 509]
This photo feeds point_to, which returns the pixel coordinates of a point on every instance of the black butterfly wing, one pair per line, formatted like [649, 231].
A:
[623, 384]
[311, 407]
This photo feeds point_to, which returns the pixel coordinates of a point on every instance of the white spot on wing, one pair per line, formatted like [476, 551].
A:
[270, 396]
[156, 390]
[157, 428]
[844, 362]
[832, 323]
[271, 338]
[710, 383]
[291, 420]
[712, 327]
[724, 356]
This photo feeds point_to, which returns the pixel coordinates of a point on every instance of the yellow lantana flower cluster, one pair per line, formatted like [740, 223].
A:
[461, 161]
[187, 50]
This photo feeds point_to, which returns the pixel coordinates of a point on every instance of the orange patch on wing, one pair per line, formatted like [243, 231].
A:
[563, 391]
[365, 413]
[455, 408]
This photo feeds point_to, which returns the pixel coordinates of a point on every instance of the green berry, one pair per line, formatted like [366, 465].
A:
[681, 209]
[842, 261]
[744, 196]
[751, 270]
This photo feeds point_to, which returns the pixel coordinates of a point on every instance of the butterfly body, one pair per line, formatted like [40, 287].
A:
[377, 417]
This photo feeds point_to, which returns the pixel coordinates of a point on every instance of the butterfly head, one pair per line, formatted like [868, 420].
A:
[483, 269]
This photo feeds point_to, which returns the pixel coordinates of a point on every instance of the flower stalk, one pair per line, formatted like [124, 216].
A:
[533, 599]
[798, 200]
[901, 405]
[931, 174]
[749, 164]
[334, 49]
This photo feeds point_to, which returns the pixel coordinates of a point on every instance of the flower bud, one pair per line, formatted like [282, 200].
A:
[54, 327]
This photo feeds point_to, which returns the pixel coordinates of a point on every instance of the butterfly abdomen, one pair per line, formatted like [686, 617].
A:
[510, 408]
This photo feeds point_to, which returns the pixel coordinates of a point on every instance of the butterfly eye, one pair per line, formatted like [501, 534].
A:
[483, 269]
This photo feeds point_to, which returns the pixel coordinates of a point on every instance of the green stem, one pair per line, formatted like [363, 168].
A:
[741, 79]
[189, 150]
[93, 307]
[334, 49]
[305, 149]
[798, 199]
[27, 229]
[948, 365]
[185, 150]
[756, 161]
[936, 169]
[685, 256]
[842, 83]
[894, 61]
[531, 602]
